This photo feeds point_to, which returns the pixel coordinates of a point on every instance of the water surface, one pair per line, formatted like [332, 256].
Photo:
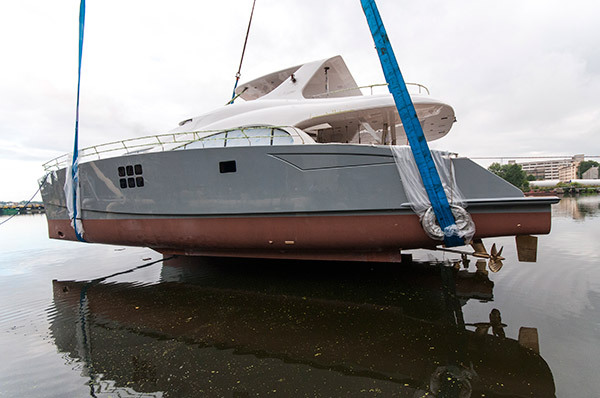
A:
[82, 320]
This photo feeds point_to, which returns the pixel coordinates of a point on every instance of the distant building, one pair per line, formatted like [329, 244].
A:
[567, 173]
[539, 172]
[591, 173]
[549, 169]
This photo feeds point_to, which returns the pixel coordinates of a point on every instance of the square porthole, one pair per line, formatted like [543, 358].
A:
[129, 170]
[131, 182]
[227, 167]
[123, 183]
[139, 181]
[138, 169]
[121, 171]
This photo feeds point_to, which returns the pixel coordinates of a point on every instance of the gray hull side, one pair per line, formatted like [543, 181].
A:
[269, 180]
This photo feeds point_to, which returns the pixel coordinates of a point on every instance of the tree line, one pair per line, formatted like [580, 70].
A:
[512, 173]
[585, 166]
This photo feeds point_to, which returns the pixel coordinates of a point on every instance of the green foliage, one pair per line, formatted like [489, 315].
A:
[585, 166]
[513, 173]
[496, 168]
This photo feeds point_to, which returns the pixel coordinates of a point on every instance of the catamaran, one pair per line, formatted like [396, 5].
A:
[305, 165]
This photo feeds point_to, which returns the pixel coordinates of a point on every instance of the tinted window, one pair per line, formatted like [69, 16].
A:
[215, 140]
[244, 137]
[281, 137]
[238, 138]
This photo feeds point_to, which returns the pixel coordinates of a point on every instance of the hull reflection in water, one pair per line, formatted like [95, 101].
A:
[241, 328]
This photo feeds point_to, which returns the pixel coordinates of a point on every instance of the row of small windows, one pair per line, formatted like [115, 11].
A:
[131, 182]
[130, 170]
[133, 174]
[244, 137]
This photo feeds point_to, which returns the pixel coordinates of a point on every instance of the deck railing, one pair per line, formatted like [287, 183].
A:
[159, 142]
[370, 86]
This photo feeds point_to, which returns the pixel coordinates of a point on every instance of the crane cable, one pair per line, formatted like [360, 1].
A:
[238, 74]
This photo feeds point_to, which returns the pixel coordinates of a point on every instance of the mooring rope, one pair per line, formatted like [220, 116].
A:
[29, 201]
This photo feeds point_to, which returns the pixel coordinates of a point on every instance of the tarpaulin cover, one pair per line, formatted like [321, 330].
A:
[419, 200]
[73, 206]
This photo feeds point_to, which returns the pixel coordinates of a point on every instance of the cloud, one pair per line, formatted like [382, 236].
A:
[520, 76]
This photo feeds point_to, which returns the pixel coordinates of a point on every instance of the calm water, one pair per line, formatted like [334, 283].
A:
[75, 323]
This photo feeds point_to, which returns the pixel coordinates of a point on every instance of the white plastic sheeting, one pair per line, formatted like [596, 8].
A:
[419, 200]
[68, 188]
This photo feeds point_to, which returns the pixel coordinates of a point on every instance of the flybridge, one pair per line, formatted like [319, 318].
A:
[327, 77]
[322, 98]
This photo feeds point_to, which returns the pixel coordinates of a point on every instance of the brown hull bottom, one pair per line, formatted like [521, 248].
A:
[325, 237]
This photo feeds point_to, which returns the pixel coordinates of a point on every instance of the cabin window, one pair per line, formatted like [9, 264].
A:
[281, 137]
[212, 141]
[227, 167]
[260, 137]
[237, 138]
[244, 137]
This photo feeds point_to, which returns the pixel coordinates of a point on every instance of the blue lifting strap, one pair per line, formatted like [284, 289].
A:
[75, 164]
[412, 127]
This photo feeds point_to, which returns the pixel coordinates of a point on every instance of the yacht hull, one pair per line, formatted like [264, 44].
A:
[334, 202]
[356, 237]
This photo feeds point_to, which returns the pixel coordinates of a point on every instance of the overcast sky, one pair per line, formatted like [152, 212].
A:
[523, 76]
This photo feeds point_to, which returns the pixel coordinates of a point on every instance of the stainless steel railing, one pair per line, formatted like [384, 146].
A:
[370, 86]
[160, 142]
